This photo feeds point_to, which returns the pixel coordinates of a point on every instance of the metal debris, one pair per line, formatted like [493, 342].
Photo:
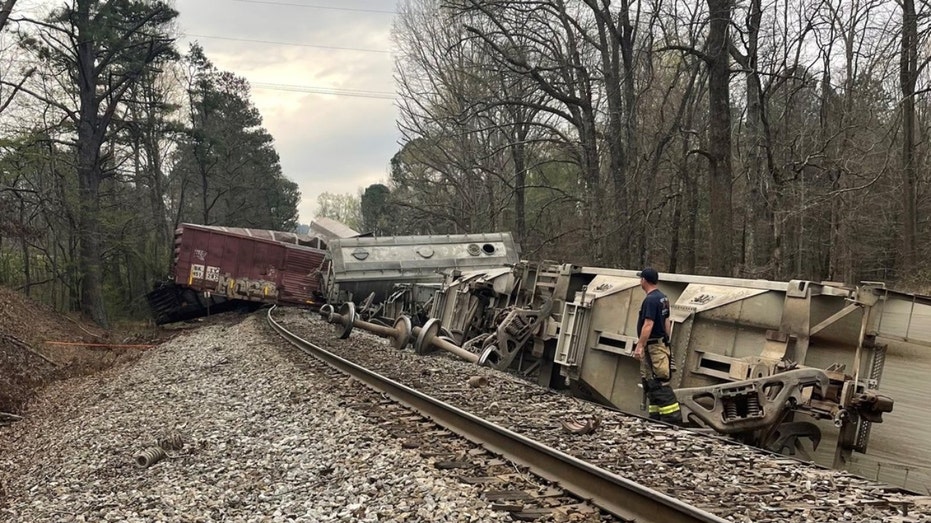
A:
[575, 426]
[149, 457]
[478, 381]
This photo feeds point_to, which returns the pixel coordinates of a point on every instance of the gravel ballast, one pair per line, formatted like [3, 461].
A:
[263, 439]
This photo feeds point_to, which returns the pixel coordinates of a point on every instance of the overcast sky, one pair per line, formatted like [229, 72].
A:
[327, 143]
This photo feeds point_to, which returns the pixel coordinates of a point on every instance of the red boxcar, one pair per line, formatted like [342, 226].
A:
[217, 267]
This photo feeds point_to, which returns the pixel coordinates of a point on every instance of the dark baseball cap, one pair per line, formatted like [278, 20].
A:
[649, 274]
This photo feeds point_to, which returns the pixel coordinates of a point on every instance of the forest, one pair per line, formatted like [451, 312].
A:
[111, 138]
[781, 139]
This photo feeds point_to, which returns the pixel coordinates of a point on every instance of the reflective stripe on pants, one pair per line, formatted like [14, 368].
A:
[663, 404]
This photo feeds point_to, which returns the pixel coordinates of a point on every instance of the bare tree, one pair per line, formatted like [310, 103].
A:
[473, 126]
[545, 43]
[800, 137]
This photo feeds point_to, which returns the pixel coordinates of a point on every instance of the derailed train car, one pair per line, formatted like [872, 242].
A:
[774, 364]
[793, 367]
[389, 275]
[217, 269]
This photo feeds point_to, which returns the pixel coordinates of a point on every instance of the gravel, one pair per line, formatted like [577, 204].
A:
[265, 439]
[270, 435]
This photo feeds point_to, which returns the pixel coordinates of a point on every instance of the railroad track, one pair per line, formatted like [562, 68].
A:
[619, 496]
[714, 477]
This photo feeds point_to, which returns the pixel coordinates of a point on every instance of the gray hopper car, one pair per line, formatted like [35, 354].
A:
[393, 274]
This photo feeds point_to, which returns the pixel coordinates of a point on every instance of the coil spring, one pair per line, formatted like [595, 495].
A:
[516, 326]
[150, 456]
[730, 409]
[172, 442]
[753, 405]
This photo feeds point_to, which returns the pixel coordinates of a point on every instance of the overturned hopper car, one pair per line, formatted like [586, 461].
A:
[220, 268]
[781, 365]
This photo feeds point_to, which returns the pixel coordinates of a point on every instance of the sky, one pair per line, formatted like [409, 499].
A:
[327, 142]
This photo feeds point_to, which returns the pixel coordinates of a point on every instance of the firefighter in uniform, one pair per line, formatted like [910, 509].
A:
[653, 327]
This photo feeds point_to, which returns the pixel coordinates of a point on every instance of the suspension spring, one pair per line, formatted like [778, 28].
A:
[150, 456]
[515, 327]
[730, 409]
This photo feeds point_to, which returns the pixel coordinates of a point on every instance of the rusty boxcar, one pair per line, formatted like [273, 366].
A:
[222, 268]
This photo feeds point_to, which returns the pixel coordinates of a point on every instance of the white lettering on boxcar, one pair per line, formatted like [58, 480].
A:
[197, 272]
[200, 254]
[213, 273]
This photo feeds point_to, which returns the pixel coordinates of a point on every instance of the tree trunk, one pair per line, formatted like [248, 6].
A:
[163, 233]
[5, 9]
[908, 76]
[27, 267]
[487, 215]
[89, 233]
[759, 223]
[674, 231]
[615, 46]
[691, 228]
[518, 151]
[204, 198]
[90, 137]
[719, 147]
[593, 209]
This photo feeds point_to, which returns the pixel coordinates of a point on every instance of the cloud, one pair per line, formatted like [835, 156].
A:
[326, 143]
[335, 146]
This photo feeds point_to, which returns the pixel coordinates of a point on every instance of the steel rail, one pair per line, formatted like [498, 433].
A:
[617, 495]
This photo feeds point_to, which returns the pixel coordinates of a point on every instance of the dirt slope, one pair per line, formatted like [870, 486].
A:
[28, 361]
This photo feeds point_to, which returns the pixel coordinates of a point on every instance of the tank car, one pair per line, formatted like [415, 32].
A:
[389, 275]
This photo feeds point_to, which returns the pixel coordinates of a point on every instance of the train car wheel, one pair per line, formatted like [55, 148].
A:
[403, 327]
[348, 312]
[427, 333]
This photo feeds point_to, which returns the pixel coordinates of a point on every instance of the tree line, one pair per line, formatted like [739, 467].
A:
[110, 138]
[765, 139]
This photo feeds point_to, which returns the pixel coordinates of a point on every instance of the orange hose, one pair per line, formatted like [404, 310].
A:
[116, 346]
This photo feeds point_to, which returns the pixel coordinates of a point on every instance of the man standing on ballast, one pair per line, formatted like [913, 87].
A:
[653, 326]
